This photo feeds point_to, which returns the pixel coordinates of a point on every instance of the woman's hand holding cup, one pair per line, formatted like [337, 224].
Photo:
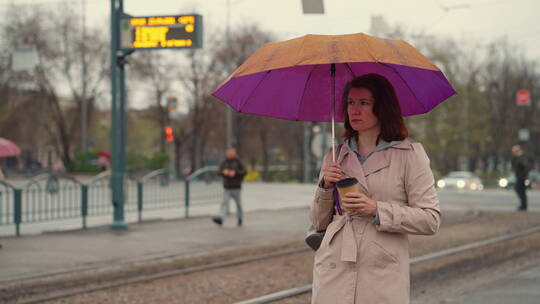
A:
[359, 203]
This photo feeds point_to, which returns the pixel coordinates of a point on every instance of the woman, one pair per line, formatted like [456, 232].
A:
[364, 256]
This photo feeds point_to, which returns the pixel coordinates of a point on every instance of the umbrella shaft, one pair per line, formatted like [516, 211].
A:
[333, 85]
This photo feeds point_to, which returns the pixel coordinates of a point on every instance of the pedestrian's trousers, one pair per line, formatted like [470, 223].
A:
[520, 190]
[227, 195]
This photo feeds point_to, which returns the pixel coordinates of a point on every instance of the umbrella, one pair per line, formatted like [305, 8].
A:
[105, 154]
[8, 148]
[300, 79]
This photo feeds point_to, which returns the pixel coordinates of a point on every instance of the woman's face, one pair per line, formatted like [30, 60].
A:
[360, 109]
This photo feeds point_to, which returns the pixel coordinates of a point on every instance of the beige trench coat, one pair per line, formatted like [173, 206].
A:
[358, 261]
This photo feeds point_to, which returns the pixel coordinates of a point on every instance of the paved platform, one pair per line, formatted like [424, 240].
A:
[521, 287]
[50, 253]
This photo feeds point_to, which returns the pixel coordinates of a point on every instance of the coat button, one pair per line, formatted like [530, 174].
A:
[332, 265]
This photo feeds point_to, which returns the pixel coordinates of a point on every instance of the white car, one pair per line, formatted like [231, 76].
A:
[461, 180]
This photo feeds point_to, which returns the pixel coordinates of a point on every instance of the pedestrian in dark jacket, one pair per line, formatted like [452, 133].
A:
[233, 171]
[521, 171]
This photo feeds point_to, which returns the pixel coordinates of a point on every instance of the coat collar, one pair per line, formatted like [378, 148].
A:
[347, 158]
[377, 161]
[406, 144]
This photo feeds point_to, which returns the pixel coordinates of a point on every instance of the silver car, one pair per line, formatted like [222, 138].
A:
[461, 180]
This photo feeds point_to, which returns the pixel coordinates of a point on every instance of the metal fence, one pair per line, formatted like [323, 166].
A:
[54, 197]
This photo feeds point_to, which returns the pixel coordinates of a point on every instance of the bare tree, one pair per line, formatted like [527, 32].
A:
[505, 72]
[59, 44]
[229, 55]
[155, 70]
[199, 79]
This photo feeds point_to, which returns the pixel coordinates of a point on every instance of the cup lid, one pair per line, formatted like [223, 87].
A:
[347, 182]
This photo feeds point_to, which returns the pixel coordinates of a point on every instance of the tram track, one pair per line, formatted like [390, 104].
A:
[161, 275]
[415, 261]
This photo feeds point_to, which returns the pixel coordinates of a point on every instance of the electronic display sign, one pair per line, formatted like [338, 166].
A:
[161, 32]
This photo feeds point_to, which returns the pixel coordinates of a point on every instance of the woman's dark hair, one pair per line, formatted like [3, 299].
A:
[386, 107]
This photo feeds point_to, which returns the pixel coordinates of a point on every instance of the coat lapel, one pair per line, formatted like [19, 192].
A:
[380, 160]
[350, 163]
[376, 162]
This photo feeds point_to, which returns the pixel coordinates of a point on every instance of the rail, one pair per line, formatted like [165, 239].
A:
[296, 291]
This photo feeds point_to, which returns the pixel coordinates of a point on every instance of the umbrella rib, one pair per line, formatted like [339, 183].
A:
[352, 72]
[253, 91]
[407, 84]
[304, 92]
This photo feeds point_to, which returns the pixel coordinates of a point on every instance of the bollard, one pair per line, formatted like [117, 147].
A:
[140, 199]
[84, 204]
[17, 212]
[186, 201]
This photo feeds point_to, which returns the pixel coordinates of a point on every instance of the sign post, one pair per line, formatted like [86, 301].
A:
[117, 132]
[127, 35]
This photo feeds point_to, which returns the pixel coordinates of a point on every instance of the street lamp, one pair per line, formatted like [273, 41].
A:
[231, 141]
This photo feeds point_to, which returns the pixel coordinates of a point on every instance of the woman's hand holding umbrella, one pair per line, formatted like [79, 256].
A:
[331, 174]
[359, 203]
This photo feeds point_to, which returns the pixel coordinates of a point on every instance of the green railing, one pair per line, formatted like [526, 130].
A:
[203, 187]
[99, 195]
[156, 191]
[7, 203]
[53, 196]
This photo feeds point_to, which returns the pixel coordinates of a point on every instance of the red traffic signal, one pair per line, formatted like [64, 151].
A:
[523, 98]
[169, 134]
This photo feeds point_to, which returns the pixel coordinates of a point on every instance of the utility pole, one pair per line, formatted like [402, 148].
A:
[84, 105]
[231, 141]
[310, 7]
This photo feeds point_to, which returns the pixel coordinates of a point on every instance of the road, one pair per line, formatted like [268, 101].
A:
[274, 196]
[488, 200]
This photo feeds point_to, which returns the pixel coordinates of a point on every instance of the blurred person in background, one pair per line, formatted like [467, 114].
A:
[1, 179]
[103, 163]
[58, 166]
[521, 171]
[233, 171]
[364, 255]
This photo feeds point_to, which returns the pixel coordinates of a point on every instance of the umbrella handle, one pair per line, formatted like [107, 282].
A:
[333, 73]
[333, 140]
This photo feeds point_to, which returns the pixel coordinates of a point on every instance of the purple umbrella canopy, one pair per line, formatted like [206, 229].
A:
[292, 79]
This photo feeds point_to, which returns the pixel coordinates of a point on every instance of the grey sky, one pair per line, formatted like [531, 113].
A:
[481, 21]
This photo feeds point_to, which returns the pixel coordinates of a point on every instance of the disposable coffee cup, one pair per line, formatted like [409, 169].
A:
[347, 185]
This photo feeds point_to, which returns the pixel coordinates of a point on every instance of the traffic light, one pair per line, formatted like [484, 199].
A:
[169, 134]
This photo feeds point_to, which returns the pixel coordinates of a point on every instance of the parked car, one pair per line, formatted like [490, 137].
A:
[533, 180]
[460, 180]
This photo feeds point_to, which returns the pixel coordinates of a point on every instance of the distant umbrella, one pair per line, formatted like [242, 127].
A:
[105, 154]
[8, 148]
